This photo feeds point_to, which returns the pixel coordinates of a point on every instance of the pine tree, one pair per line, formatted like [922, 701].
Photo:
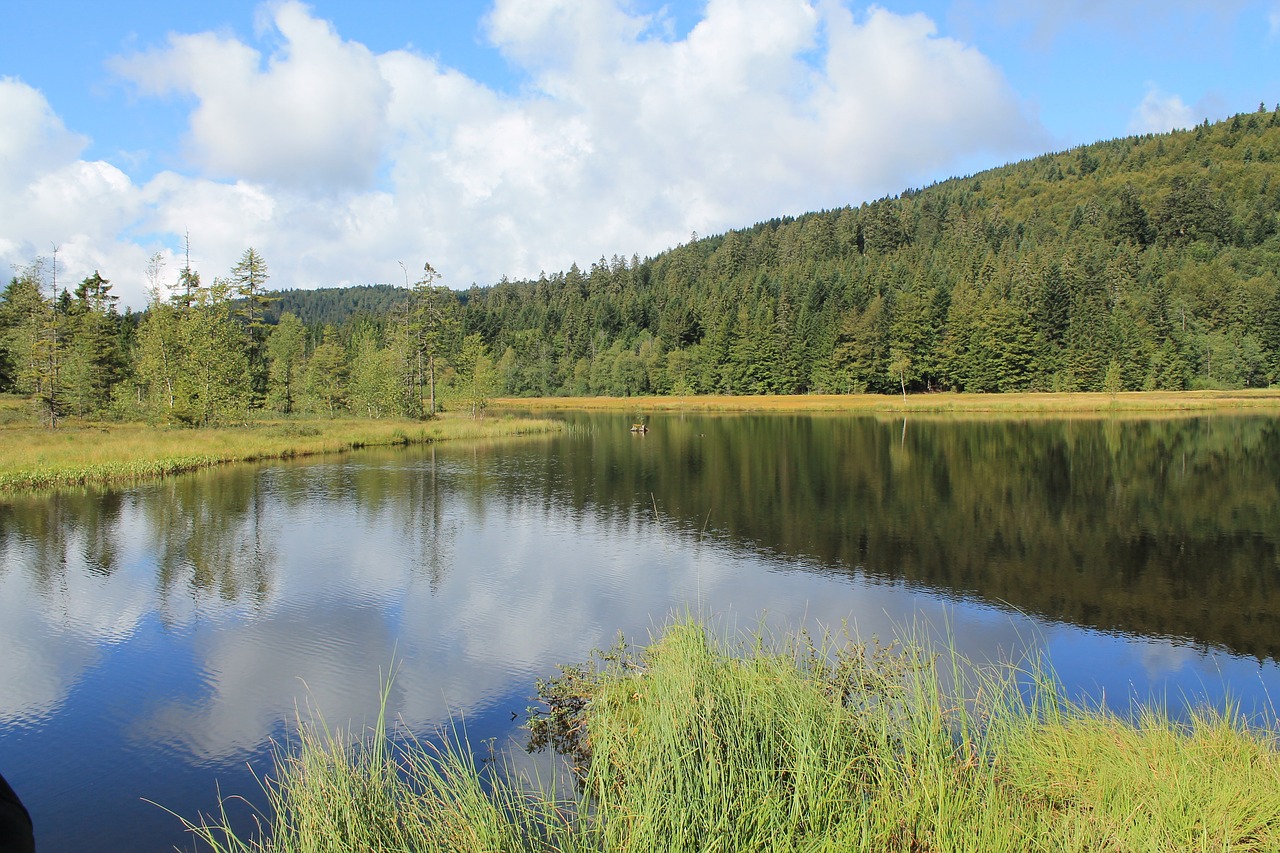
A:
[93, 363]
[285, 348]
[248, 279]
[434, 329]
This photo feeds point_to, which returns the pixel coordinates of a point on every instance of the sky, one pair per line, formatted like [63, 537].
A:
[353, 142]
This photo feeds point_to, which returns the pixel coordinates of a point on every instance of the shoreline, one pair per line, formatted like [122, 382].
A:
[34, 459]
[945, 402]
[82, 454]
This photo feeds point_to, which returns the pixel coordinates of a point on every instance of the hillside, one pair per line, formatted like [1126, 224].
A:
[1146, 262]
[336, 305]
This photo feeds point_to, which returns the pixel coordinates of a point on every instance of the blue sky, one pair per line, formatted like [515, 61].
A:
[341, 139]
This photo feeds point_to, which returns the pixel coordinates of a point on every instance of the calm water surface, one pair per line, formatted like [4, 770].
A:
[156, 640]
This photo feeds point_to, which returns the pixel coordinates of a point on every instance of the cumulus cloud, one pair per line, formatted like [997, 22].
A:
[1160, 112]
[35, 140]
[620, 138]
[628, 141]
[53, 198]
[314, 116]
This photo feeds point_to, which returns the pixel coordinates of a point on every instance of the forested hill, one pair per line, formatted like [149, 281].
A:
[1145, 262]
[336, 306]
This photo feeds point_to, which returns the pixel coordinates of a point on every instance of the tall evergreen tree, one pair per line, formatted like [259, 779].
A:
[248, 280]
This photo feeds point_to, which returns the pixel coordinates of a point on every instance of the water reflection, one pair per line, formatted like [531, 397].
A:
[157, 638]
[1161, 527]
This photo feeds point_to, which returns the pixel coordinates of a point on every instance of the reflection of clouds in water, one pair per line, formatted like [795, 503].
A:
[1162, 658]
[523, 587]
[1125, 671]
[528, 588]
[326, 656]
[56, 611]
[40, 663]
[474, 593]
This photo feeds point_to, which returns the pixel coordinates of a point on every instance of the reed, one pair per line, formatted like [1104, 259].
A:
[696, 744]
[100, 453]
[1097, 404]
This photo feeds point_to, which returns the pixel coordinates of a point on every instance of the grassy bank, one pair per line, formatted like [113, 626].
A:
[941, 403]
[98, 453]
[690, 745]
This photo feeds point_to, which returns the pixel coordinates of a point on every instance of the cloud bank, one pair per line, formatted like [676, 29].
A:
[336, 162]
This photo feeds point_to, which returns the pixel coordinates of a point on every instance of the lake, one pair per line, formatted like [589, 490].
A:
[157, 639]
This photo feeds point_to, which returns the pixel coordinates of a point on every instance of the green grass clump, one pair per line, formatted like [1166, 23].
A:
[1149, 785]
[334, 793]
[691, 744]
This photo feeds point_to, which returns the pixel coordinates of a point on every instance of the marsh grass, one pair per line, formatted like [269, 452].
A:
[332, 792]
[692, 743]
[99, 453]
[1023, 404]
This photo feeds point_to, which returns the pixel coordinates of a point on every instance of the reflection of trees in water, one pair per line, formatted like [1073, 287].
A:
[210, 535]
[218, 533]
[437, 537]
[1166, 527]
[47, 534]
[417, 495]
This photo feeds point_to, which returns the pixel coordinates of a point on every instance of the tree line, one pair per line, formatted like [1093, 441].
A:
[203, 355]
[1148, 262]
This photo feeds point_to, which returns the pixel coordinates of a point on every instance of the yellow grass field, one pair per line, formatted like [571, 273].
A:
[32, 457]
[1135, 402]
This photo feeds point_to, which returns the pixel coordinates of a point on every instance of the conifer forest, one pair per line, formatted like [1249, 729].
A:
[1144, 263]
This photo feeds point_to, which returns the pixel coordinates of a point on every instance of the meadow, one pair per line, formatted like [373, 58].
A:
[80, 453]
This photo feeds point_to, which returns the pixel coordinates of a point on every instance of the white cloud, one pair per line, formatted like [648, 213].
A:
[35, 140]
[52, 198]
[314, 116]
[1160, 113]
[336, 163]
[627, 142]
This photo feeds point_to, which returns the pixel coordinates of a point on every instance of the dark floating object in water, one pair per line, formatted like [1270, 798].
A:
[16, 834]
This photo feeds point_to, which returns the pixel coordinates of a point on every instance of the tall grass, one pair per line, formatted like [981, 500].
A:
[89, 453]
[335, 793]
[694, 744]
